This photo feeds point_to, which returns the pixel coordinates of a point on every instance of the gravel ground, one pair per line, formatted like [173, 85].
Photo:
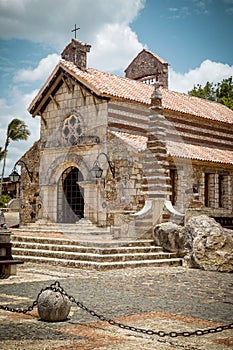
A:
[166, 299]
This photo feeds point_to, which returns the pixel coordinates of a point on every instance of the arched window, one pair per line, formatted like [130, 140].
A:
[72, 129]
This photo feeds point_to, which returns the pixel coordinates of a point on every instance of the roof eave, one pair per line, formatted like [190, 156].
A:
[35, 105]
[49, 86]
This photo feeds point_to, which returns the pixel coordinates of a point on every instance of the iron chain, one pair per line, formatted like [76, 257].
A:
[56, 287]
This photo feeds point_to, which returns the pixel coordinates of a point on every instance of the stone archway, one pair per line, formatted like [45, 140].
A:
[70, 196]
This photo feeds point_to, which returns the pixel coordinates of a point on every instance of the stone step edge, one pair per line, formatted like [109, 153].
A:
[15, 238]
[57, 225]
[73, 248]
[65, 230]
[88, 255]
[104, 265]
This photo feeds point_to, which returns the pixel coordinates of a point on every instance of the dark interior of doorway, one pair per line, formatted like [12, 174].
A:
[73, 196]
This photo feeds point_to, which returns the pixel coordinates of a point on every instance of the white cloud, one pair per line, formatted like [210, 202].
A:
[104, 24]
[41, 72]
[114, 55]
[194, 7]
[113, 42]
[106, 54]
[208, 71]
[47, 21]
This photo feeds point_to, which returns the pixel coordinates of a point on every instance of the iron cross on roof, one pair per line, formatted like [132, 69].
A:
[75, 30]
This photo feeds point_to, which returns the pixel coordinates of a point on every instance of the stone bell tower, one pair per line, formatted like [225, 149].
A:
[148, 68]
[76, 52]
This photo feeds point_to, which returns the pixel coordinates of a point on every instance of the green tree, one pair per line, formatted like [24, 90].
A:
[221, 92]
[16, 130]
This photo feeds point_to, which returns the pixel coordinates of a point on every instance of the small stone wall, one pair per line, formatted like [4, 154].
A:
[30, 201]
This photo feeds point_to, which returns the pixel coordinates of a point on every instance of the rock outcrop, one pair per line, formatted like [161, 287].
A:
[202, 242]
[170, 236]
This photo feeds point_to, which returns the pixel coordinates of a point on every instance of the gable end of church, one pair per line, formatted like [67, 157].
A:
[148, 68]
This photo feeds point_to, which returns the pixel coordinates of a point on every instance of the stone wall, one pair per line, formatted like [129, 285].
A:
[214, 182]
[124, 193]
[30, 201]
[125, 117]
[183, 128]
[190, 182]
[73, 133]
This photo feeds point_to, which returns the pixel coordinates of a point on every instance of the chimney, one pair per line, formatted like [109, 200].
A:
[76, 52]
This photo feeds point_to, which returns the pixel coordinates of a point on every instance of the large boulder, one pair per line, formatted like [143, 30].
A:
[170, 236]
[212, 245]
[202, 242]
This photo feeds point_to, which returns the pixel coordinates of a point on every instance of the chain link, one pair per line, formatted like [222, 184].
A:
[56, 287]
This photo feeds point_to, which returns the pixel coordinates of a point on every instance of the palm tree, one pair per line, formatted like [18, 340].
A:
[1, 154]
[16, 130]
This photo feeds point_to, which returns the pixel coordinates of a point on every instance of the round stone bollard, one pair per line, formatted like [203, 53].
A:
[53, 306]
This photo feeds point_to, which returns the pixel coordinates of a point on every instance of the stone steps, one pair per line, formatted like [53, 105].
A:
[85, 249]
[88, 242]
[103, 265]
[64, 228]
[91, 254]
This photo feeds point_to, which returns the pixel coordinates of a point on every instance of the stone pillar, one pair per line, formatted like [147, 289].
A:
[94, 199]
[157, 178]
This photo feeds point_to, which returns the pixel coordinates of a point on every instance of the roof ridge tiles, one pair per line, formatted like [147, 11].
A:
[109, 85]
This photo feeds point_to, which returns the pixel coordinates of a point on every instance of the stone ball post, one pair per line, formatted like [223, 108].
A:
[53, 306]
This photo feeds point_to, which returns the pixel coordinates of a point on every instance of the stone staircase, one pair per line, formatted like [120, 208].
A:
[91, 254]
[83, 227]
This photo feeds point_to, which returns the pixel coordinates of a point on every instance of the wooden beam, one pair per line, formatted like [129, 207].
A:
[83, 94]
[55, 101]
[66, 84]
[44, 99]
[94, 100]
[71, 84]
[43, 119]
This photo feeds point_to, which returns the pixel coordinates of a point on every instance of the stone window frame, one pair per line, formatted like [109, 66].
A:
[214, 183]
[73, 128]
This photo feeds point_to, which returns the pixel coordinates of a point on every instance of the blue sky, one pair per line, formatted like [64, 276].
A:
[193, 36]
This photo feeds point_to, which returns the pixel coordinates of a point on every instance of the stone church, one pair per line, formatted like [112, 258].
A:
[124, 152]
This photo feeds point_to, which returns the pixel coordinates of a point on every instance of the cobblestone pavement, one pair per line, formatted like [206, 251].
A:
[166, 299]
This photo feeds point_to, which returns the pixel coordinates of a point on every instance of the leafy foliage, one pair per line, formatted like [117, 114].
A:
[16, 130]
[4, 199]
[221, 92]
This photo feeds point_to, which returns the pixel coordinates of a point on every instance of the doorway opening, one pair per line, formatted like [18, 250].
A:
[70, 196]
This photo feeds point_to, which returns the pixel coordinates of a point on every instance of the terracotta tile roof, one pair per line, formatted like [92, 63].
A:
[181, 150]
[183, 103]
[139, 143]
[196, 152]
[113, 86]
[110, 85]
